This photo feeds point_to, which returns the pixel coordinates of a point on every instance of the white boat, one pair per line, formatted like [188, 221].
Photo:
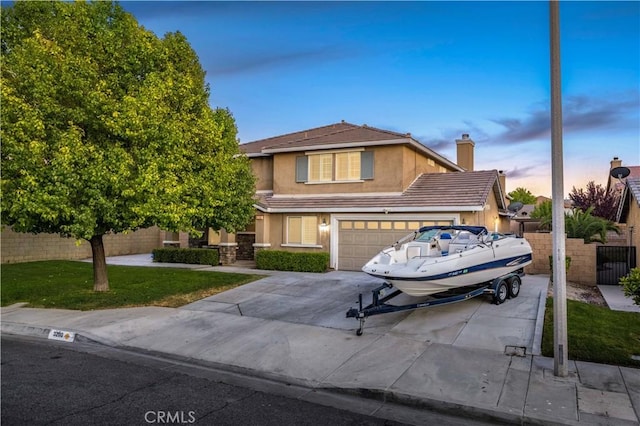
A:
[435, 259]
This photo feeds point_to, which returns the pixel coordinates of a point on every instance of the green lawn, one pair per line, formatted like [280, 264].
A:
[596, 334]
[69, 284]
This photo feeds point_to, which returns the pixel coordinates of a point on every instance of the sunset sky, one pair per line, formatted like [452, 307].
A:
[434, 69]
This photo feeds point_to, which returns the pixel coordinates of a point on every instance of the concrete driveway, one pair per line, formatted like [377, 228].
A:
[322, 300]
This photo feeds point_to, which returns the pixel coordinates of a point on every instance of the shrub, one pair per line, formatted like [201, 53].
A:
[292, 261]
[186, 255]
[631, 285]
[567, 263]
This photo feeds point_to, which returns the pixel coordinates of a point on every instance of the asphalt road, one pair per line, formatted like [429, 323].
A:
[47, 382]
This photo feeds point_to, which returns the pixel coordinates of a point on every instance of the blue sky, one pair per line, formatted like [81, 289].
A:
[434, 69]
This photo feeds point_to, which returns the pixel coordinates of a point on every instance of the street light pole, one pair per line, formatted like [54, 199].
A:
[560, 348]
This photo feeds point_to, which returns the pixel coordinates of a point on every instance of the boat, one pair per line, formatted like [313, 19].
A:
[435, 259]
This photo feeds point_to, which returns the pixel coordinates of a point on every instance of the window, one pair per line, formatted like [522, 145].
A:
[321, 168]
[348, 166]
[343, 166]
[302, 230]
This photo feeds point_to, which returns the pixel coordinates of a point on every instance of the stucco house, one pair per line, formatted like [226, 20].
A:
[350, 190]
[629, 212]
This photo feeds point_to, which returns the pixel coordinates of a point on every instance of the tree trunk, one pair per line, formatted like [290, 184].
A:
[100, 278]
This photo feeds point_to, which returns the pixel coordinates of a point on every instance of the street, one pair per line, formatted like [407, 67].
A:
[46, 382]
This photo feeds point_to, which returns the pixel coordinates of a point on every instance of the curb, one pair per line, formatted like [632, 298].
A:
[313, 392]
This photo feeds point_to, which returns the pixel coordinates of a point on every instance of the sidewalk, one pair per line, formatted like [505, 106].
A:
[471, 358]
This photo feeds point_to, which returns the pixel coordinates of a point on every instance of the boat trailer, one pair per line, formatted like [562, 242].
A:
[502, 288]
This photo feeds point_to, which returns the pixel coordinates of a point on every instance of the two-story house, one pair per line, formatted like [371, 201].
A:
[351, 190]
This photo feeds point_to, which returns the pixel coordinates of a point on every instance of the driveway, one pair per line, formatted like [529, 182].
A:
[322, 300]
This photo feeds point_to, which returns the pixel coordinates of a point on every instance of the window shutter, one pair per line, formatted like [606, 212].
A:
[301, 168]
[366, 165]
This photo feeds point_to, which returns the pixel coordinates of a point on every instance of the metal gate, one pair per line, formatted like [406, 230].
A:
[613, 262]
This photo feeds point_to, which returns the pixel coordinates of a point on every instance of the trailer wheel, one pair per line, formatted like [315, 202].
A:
[514, 287]
[502, 292]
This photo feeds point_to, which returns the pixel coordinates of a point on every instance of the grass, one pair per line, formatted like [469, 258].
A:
[69, 285]
[596, 334]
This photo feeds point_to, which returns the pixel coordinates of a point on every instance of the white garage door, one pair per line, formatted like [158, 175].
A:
[360, 240]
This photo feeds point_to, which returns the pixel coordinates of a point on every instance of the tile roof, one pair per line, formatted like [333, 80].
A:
[633, 183]
[456, 191]
[333, 134]
[341, 134]
[634, 172]
[631, 192]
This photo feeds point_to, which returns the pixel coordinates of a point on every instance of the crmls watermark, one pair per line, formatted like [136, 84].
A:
[170, 417]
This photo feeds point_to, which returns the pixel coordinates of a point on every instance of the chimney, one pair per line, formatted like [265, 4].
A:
[613, 182]
[465, 152]
[502, 179]
[616, 162]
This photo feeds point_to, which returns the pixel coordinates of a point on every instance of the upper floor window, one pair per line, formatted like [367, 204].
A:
[336, 166]
[348, 166]
[321, 168]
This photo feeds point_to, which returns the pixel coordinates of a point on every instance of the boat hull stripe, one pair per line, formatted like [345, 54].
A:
[501, 263]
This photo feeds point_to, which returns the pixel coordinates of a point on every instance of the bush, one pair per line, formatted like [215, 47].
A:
[631, 285]
[186, 255]
[291, 261]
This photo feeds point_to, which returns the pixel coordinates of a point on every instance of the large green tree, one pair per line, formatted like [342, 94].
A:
[522, 195]
[107, 128]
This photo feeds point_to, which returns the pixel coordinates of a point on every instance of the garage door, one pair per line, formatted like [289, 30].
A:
[360, 240]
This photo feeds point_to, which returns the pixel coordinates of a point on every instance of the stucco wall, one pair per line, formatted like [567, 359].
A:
[633, 228]
[18, 247]
[583, 257]
[386, 178]
[416, 163]
[262, 168]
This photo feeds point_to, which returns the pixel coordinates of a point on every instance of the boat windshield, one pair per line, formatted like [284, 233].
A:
[426, 236]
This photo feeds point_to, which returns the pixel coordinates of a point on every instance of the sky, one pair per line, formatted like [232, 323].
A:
[434, 69]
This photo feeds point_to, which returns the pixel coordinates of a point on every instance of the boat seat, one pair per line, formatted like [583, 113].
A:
[443, 243]
[413, 251]
[419, 249]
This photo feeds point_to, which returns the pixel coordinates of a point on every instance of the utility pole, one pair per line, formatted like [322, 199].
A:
[560, 348]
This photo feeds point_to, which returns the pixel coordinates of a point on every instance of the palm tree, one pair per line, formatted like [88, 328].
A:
[543, 212]
[577, 223]
[582, 224]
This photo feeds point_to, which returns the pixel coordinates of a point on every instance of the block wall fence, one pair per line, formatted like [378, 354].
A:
[583, 257]
[18, 247]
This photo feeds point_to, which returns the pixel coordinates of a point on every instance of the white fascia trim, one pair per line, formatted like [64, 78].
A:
[338, 194]
[257, 154]
[409, 140]
[260, 208]
[334, 146]
[336, 151]
[381, 209]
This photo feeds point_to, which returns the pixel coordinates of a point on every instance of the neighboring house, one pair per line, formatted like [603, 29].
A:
[629, 212]
[522, 221]
[619, 183]
[350, 190]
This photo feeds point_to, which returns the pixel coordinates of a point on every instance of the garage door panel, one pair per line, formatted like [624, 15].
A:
[358, 246]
